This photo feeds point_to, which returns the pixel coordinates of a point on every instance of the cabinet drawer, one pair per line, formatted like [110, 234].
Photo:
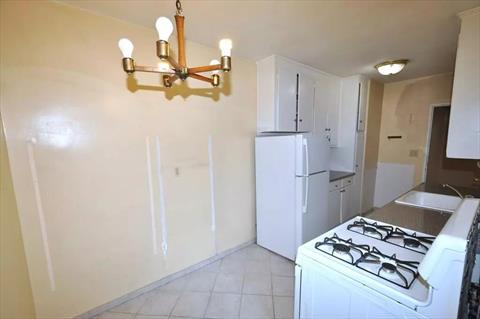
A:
[335, 185]
[347, 181]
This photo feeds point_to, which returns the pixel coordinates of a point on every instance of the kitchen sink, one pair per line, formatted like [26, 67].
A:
[431, 201]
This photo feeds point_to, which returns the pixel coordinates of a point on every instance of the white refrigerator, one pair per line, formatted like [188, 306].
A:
[292, 180]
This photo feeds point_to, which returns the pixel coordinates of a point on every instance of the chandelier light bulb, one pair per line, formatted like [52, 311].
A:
[225, 47]
[214, 62]
[164, 28]
[126, 46]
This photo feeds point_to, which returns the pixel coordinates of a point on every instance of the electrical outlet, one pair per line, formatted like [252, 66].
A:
[413, 153]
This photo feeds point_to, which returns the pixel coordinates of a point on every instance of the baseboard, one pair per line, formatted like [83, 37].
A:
[131, 295]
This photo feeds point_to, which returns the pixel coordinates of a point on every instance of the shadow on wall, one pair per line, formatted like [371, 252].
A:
[182, 89]
[413, 106]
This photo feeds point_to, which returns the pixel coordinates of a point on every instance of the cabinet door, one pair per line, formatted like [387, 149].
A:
[286, 100]
[321, 108]
[333, 100]
[346, 203]
[306, 102]
[362, 104]
[334, 206]
[464, 128]
[327, 104]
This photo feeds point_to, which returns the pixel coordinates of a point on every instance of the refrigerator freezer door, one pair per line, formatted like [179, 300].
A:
[312, 154]
[276, 194]
[312, 207]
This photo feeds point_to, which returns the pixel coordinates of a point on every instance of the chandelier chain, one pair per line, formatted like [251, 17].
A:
[179, 7]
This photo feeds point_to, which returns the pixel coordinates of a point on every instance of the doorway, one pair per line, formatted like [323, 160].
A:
[463, 174]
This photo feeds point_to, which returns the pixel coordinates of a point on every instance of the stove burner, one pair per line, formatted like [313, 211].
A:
[388, 267]
[341, 248]
[411, 242]
[370, 229]
[399, 272]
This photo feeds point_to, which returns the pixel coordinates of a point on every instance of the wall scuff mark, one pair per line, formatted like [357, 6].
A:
[151, 196]
[41, 215]
[161, 190]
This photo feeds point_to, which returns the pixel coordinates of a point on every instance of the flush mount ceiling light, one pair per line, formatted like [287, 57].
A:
[171, 69]
[391, 67]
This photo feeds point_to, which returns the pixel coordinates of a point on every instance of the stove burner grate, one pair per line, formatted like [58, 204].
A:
[393, 268]
[370, 229]
[342, 247]
[411, 241]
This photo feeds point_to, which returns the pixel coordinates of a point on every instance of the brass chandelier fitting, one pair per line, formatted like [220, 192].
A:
[171, 69]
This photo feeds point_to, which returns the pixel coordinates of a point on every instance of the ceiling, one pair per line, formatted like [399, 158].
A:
[338, 37]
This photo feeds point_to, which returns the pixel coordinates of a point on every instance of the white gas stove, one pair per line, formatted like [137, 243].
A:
[369, 269]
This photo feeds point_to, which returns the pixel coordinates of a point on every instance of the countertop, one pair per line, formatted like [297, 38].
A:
[422, 220]
[336, 175]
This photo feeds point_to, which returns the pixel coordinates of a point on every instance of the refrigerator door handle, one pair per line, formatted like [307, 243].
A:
[307, 171]
[305, 146]
[305, 203]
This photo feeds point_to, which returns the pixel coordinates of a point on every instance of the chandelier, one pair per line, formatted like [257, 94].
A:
[171, 69]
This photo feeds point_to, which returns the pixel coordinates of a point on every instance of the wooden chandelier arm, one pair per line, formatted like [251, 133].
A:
[201, 78]
[174, 63]
[152, 69]
[179, 21]
[206, 68]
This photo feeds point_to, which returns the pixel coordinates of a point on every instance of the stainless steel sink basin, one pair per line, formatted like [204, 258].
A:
[431, 201]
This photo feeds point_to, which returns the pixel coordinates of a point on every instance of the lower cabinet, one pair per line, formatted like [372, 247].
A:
[340, 200]
[334, 206]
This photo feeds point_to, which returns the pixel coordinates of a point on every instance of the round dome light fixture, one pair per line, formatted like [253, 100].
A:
[391, 67]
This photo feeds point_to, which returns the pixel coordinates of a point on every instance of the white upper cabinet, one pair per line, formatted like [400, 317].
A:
[306, 102]
[286, 100]
[286, 95]
[327, 107]
[353, 103]
[464, 128]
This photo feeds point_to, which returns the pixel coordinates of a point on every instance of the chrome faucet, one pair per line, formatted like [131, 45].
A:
[453, 189]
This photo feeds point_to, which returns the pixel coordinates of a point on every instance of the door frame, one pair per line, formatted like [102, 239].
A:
[431, 109]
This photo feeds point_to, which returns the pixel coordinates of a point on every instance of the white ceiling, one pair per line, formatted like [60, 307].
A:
[339, 37]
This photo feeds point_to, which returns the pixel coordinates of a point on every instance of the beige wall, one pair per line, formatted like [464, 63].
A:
[374, 116]
[62, 84]
[405, 112]
[16, 299]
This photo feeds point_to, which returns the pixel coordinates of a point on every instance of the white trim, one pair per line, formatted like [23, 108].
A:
[151, 196]
[212, 190]
[129, 296]
[40, 212]
[429, 133]
[161, 191]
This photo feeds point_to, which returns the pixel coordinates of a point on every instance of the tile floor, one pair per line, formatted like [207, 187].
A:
[251, 283]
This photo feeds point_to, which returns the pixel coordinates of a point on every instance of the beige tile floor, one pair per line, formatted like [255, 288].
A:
[251, 283]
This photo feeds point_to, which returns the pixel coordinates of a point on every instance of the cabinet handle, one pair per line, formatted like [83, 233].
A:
[301, 120]
[327, 129]
[342, 191]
